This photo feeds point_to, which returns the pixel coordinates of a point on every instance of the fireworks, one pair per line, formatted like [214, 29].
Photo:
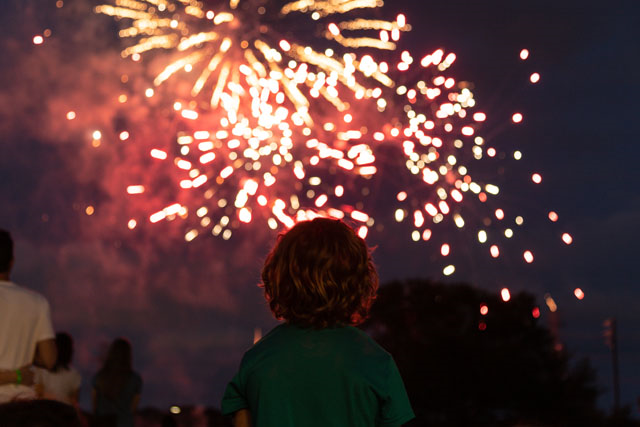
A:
[283, 130]
[255, 144]
[236, 51]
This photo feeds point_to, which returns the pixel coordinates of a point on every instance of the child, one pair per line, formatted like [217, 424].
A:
[62, 383]
[316, 369]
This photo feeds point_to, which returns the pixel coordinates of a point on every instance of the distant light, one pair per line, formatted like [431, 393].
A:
[524, 54]
[517, 118]
[449, 270]
[482, 326]
[402, 196]
[537, 178]
[528, 256]
[401, 20]
[89, 210]
[38, 40]
[124, 135]
[284, 45]
[97, 134]
[135, 189]
[484, 309]
[71, 115]
[535, 78]
[550, 303]
[495, 251]
[505, 294]
[499, 214]
[553, 216]
[535, 312]
[244, 215]
[479, 117]
[359, 216]
[175, 410]
[363, 231]
[189, 114]
[190, 235]
[149, 92]
[158, 154]
[132, 224]
[467, 131]
[566, 237]
[578, 293]
[445, 249]
[517, 155]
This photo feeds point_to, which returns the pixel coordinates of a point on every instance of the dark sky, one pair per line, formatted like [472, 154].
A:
[190, 309]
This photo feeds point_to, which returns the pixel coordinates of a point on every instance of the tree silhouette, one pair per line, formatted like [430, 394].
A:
[463, 368]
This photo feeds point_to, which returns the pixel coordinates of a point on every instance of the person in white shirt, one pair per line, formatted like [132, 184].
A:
[62, 382]
[26, 333]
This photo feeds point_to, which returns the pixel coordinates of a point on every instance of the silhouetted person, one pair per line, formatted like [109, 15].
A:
[26, 333]
[62, 382]
[316, 369]
[116, 388]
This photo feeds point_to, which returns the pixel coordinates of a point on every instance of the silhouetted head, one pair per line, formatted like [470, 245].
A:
[6, 251]
[320, 274]
[119, 356]
[64, 343]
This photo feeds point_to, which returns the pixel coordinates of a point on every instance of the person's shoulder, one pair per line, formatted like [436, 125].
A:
[27, 294]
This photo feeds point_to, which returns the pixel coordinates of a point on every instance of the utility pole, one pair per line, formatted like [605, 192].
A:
[611, 338]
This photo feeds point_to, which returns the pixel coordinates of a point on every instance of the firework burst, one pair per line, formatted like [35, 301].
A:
[235, 47]
[254, 143]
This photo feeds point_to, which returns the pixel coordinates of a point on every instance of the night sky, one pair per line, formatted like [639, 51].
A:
[191, 309]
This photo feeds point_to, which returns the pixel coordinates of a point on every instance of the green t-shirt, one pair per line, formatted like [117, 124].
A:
[303, 377]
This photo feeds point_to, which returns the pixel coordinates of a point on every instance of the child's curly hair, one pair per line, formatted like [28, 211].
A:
[320, 274]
